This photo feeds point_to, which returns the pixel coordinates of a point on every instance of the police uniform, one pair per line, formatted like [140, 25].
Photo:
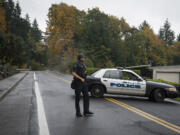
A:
[81, 87]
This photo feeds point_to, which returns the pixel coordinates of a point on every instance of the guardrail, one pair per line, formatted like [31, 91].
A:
[6, 71]
[23, 69]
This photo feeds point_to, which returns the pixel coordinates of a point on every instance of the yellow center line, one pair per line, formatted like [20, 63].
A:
[67, 81]
[137, 111]
[178, 127]
[146, 115]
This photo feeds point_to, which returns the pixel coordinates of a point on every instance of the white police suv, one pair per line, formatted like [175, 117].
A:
[127, 82]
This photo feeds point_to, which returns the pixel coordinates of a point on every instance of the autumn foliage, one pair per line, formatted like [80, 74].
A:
[106, 40]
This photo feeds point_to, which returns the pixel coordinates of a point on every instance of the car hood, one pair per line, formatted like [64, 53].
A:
[160, 85]
[91, 78]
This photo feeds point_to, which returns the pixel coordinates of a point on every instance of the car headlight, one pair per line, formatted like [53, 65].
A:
[171, 89]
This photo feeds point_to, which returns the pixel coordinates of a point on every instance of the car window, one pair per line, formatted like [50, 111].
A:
[95, 73]
[113, 74]
[107, 74]
[129, 76]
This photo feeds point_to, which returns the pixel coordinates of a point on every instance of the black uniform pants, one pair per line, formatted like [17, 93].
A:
[82, 88]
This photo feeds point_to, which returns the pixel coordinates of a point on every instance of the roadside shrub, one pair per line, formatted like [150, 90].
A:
[71, 65]
[14, 67]
[163, 81]
[24, 66]
[137, 72]
[68, 60]
[89, 63]
[36, 66]
[91, 70]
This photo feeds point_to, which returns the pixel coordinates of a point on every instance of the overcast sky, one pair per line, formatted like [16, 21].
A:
[134, 11]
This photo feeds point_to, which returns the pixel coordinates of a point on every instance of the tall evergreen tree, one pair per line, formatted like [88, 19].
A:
[166, 34]
[17, 10]
[18, 39]
[35, 31]
[3, 23]
[178, 38]
[143, 25]
[10, 9]
[27, 18]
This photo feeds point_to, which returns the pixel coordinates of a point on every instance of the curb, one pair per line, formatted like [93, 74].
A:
[10, 89]
[173, 100]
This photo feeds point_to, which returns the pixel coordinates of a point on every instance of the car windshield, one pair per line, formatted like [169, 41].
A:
[129, 76]
[94, 74]
[113, 74]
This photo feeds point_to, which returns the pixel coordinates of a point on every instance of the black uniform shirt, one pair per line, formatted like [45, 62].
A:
[80, 69]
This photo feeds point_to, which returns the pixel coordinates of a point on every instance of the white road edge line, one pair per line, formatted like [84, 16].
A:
[42, 121]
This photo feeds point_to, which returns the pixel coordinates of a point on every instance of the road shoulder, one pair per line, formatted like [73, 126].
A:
[10, 83]
[18, 110]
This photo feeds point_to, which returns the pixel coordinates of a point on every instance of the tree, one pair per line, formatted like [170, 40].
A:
[2, 17]
[27, 18]
[124, 27]
[18, 46]
[17, 10]
[10, 12]
[136, 49]
[99, 32]
[177, 54]
[96, 30]
[15, 24]
[155, 48]
[106, 40]
[144, 25]
[118, 29]
[2, 47]
[166, 34]
[178, 38]
[13, 50]
[36, 33]
[63, 32]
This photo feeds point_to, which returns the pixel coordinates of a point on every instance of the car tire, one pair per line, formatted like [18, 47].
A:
[97, 91]
[158, 95]
[151, 98]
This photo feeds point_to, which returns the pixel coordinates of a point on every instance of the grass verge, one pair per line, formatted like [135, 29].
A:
[177, 99]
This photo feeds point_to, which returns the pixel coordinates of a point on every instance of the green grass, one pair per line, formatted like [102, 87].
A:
[162, 81]
[178, 99]
[91, 70]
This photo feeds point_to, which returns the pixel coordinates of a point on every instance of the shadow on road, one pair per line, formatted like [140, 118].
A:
[136, 99]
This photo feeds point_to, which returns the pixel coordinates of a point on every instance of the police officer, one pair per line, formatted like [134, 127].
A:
[79, 73]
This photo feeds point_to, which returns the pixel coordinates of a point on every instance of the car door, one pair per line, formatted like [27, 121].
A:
[132, 84]
[111, 79]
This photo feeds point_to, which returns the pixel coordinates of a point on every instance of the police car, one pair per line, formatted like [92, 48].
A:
[126, 82]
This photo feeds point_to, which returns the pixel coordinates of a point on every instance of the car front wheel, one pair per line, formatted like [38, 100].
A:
[158, 95]
[97, 91]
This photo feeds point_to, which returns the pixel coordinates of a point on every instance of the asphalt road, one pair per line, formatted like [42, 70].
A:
[43, 103]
